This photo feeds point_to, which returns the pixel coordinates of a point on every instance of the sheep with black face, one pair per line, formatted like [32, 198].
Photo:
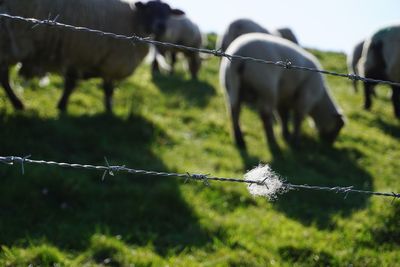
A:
[180, 30]
[79, 55]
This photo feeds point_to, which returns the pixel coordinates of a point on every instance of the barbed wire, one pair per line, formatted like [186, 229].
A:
[205, 178]
[287, 64]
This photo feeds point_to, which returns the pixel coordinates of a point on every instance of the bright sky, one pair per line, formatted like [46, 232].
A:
[329, 25]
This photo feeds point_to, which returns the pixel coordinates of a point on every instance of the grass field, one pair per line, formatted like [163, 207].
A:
[53, 216]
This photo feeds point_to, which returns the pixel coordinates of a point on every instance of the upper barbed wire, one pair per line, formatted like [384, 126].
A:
[287, 64]
[205, 178]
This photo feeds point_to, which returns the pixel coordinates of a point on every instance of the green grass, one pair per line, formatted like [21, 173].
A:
[72, 218]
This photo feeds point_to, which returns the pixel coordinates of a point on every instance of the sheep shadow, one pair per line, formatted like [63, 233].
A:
[387, 231]
[195, 92]
[66, 207]
[315, 163]
[388, 126]
[391, 127]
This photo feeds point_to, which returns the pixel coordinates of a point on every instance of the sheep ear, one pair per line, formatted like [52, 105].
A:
[177, 12]
[140, 5]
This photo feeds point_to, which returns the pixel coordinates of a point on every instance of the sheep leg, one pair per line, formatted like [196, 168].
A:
[155, 68]
[368, 91]
[5, 82]
[108, 94]
[396, 100]
[194, 64]
[268, 122]
[298, 119]
[355, 86]
[237, 132]
[173, 61]
[70, 81]
[284, 115]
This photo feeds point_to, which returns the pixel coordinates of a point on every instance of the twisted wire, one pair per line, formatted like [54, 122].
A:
[205, 178]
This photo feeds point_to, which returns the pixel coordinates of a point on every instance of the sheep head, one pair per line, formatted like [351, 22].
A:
[155, 15]
[331, 130]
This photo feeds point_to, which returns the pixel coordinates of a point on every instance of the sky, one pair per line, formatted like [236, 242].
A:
[327, 25]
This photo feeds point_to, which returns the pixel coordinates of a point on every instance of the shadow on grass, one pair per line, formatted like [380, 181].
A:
[314, 163]
[388, 231]
[66, 207]
[391, 127]
[195, 92]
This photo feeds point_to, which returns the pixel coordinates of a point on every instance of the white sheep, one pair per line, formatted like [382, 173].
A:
[381, 60]
[182, 31]
[286, 33]
[79, 55]
[237, 28]
[272, 88]
[352, 61]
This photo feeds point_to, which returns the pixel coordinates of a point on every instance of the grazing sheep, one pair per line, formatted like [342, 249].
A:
[352, 61]
[182, 31]
[273, 88]
[381, 60]
[286, 33]
[80, 55]
[236, 29]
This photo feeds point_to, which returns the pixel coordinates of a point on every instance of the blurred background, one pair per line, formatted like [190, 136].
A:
[327, 25]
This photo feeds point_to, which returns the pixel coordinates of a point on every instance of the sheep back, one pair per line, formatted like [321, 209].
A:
[381, 55]
[236, 29]
[88, 53]
[272, 83]
[181, 30]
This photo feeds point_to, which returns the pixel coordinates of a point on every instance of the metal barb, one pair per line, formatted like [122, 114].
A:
[287, 64]
[22, 161]
[188, 177]
[395, 196]
[263, 183]
[111, 170]
[201, 177]
[218, 52]
[354, 77]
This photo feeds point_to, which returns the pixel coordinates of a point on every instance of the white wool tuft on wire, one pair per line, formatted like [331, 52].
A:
[270, 184]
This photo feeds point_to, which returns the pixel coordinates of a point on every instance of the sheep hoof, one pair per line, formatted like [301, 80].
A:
[18, 105]
[241, 144]
[62, 108]
[397, 114]
[287, 137]
[294, 143]
[367, 106]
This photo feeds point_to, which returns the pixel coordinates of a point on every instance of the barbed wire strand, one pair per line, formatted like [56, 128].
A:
[287, 64]
[205, 178]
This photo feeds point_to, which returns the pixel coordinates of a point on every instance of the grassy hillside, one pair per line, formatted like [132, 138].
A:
[72, 217]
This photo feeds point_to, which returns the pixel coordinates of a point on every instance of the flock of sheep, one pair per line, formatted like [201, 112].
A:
[276, 92]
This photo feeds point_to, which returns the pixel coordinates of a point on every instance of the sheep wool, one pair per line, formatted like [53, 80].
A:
[271, 185]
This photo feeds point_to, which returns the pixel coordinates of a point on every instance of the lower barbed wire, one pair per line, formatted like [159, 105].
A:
[283, 186]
